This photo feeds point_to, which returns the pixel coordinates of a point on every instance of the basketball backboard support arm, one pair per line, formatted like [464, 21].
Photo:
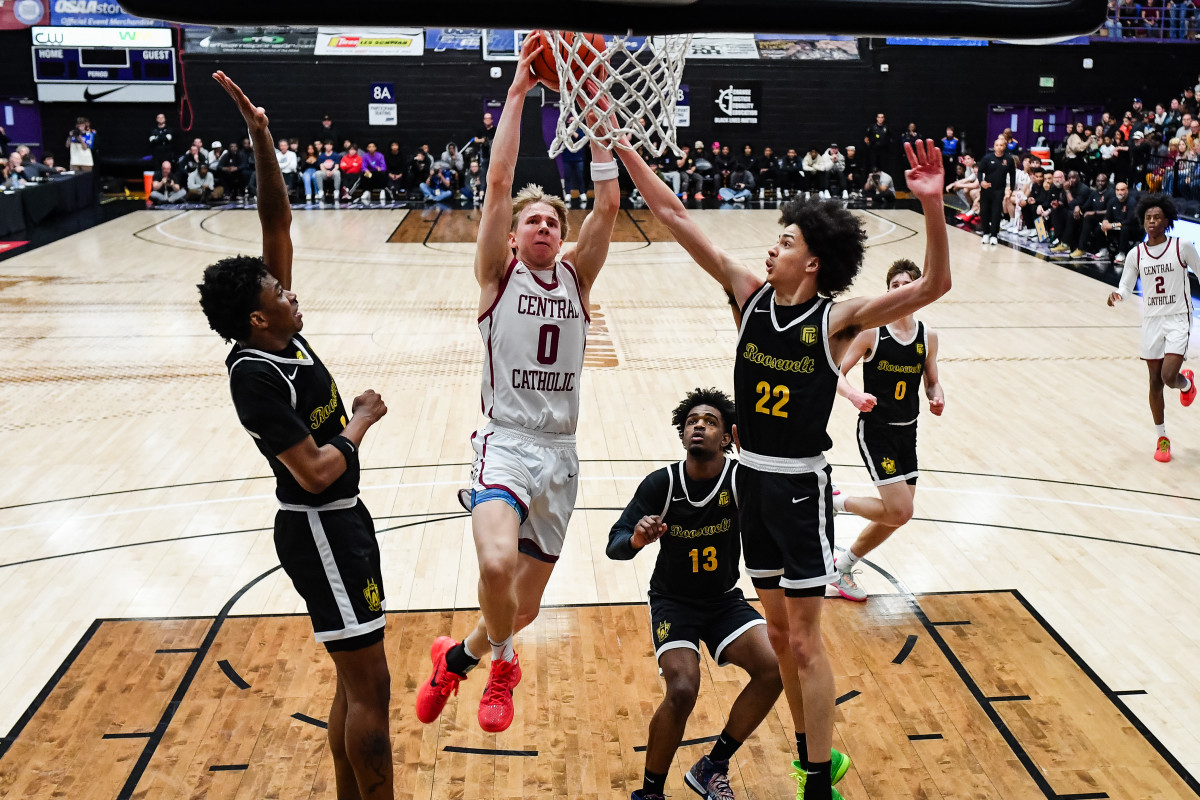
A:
[995, 19]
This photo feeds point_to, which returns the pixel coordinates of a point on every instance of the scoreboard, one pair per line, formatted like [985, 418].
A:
[108, 65]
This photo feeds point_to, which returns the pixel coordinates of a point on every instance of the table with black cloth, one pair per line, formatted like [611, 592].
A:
[28, 206]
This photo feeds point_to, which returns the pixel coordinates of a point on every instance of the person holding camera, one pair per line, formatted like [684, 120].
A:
[82, 141]
[165, 187]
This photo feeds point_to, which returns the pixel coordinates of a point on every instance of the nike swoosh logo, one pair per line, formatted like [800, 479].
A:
[292, 377]
[680, 498]
[520, 272]
[762, 311]
[799, 499]
[89, 95]
[572, 474]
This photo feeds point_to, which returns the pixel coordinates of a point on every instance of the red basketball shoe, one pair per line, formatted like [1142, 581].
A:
[1187, 397]
[433, 694]
[1163, 451]
[496, 706]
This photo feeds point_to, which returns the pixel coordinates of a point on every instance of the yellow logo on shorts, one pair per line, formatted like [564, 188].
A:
[374, 601]
[723, 500]
[808, 334]
[663, 628]
[920, 349]
[889, 466]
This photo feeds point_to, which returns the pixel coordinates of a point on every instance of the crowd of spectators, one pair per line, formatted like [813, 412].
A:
[326, 168]
[1081, 202]
[1153, 19]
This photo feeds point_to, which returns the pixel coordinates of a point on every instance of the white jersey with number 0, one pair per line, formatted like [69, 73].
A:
[1163, 270]
[534, 336]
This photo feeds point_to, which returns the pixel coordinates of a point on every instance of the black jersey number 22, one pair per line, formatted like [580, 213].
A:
[767, 391]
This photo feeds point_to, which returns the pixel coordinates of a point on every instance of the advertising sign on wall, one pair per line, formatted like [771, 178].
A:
[250, 41]
[737, 103]
[96, 14]
[370, 42]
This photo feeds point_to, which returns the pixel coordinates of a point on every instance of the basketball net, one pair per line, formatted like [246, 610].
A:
[628, 89]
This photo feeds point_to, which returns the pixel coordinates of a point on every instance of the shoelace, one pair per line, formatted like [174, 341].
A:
[718, 787]
[498, 686]
[848, 577]
[447, 685]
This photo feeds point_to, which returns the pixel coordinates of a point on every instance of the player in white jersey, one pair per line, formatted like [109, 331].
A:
[533, 317]
[1162, 263]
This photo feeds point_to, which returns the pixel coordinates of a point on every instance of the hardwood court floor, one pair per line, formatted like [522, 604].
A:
[130, 492]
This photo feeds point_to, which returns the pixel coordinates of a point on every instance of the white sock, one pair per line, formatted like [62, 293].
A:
[846, 561]
[1161, 430]
[502, 651]
[839, 503]
[1188, 386]
[467, 650]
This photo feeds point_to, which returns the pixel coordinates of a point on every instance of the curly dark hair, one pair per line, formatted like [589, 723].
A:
[722, 402]
[834, 235]
[1163, 202]
[230, 293]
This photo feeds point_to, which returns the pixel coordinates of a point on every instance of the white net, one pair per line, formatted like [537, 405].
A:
[628, 88]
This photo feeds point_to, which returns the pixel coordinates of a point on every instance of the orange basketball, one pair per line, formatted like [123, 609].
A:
[543, 66]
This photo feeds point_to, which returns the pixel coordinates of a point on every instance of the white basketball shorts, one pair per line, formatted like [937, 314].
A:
[540, 471]
[1165, 334]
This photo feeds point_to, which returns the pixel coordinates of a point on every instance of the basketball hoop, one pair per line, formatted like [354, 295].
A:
[629, 88]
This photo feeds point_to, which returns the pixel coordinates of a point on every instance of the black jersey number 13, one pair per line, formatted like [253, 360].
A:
[767, 391]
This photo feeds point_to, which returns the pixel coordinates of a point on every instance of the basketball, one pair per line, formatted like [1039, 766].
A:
[543, 66]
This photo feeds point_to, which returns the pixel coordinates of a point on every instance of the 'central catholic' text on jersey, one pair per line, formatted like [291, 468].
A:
[698, 555]
[893, 374]
[535, 333]
[784, 377]
[283, 397]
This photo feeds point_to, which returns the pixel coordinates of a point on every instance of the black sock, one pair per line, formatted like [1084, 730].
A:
[818, 784]
[802, 749]
[654, 783]
[724, 747]
[458, 662]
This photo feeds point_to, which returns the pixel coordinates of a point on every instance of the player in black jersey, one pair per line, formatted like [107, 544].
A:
[289, 403]
[690, 508]
[896, 358]
[791, 342]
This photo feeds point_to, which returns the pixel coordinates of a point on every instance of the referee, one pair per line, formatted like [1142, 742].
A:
[997, 171]
[287, 401]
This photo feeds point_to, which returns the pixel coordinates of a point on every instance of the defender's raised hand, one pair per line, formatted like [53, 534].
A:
[926, 178]
[255, 116]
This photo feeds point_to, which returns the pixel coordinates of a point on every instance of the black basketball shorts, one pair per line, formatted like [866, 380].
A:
[332, 557]
[787, 529]
[676, 622]
[889, 451]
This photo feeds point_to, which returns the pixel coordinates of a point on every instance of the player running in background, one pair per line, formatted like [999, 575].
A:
[896, 358]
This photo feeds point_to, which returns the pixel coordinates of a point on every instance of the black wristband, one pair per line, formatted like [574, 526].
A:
[348, 450]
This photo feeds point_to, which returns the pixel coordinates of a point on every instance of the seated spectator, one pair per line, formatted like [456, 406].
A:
[766, 171]
[190, 161]
[741, 185]
[690, 183]
[966, 186]
[668, 171]
[791, 173]
[452, 157]
[1027, 209]
[1079, 198]
[816, 172]
[307, 167]
[214, 155]
[1121, 227]
[702, 174]
[14, 173]
[1014, 201]
[853, 170]
[880, 187]
[723, 165]
[1052, 205]
[288, 165]
[472, 184]
[201, 187]
[1092, 215]
[395, 164]
[374, 174]
[249, 173]
[1151, 19]
[48, 168]
[329, 173]
[837, 170]
[230, 169]
[351, 166]
[199, 144]
[439, 186]
[166, 188]
[419, 167]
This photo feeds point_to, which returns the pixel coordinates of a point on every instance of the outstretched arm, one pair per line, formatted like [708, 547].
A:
[493, 253]
[591, 250]
[857, 351]
[925, 181]
[933, 387]
[274, 210]
[728, 271]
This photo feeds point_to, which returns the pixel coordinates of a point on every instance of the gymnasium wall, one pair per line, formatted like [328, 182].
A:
[803, 103]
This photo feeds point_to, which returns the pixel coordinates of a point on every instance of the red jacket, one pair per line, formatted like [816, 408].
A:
[352, 164]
